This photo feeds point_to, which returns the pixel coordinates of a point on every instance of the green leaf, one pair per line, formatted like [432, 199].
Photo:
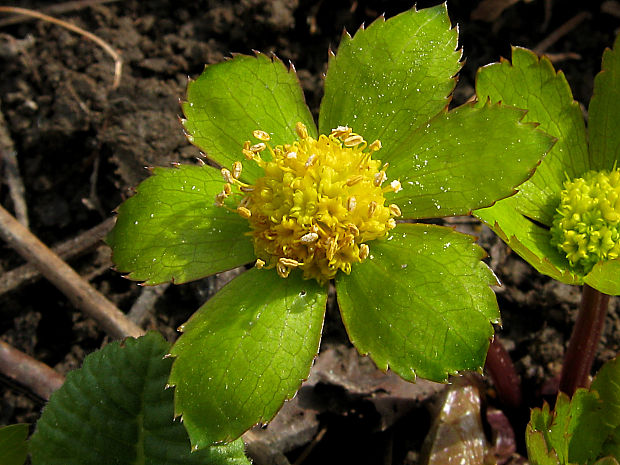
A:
[13, 445]
[612, 444]
[421, 303]
[580, 430]
[116, 410]
[233, 98]
[532, 84]
[548, 433]
[604, 277]
[607, 385]
[604, 112]
[531, 241]
[537, 438]
[170, 230]
[392, 77]
[465, 159]
[245, 352]
[588, 427]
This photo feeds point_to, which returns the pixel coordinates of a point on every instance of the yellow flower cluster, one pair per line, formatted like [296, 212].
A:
[585, 226]
[318, 204]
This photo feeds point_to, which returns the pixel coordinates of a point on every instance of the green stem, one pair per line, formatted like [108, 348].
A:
[505, 379]
[584, 340]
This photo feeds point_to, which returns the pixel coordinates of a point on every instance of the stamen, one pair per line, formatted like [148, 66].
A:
[341, 131]
[353, 229]
[259, 263]
[291, 155]
[351, 204]
[309, 238]
[261, 135]
[372, 207]
[396, 186]
[219, 199]
[380, 178]
[332, 248]
[227, 175]
[353, 140]
[376, 145]
[364, 251]
[289, 262]
[236, 169]
[301, 130]
[258, 147]
[395, 210]
[310, 160]
[283, 270]
[354, 180]
[244, 212]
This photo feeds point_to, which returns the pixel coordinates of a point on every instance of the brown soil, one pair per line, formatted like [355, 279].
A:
[81, 146]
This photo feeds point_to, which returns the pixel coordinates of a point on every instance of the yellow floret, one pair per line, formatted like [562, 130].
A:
[586, 225]
[318, 203]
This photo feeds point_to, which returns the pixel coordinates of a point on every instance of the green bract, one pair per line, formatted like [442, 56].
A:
[569, 184]
[584, 430]
[417, 301]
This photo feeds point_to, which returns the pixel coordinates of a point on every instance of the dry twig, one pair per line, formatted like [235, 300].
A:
[144, 304]
[56, 9]
[69, 249]
[11, 169]
[78, 290]
[37, 376]
[561, 32]
[118, 62]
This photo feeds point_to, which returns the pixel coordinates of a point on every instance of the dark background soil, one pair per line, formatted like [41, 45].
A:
[81, 146]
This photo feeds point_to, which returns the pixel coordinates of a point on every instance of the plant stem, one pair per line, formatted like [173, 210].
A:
[584, 340]
[501, 370]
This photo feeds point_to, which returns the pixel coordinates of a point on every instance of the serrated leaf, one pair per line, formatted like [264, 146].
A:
[13, 445]
[464, 159]
[604, 112]
[532, 84]
[115, 409]
[537, 449]
[421, 303]
[588, 428]
[607, 385]
[392, 76]
[582, 429]
[245, 352]
[233, 98]
[531, 241]
[170, 230]
[537, 445]
[548, 433]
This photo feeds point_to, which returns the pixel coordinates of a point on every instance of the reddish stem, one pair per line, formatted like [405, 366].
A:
[584, 340]
[501, 370]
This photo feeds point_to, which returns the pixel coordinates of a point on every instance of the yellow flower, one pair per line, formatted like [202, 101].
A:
[318, 204]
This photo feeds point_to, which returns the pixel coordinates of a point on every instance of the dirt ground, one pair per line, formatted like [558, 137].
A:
[81, 146]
